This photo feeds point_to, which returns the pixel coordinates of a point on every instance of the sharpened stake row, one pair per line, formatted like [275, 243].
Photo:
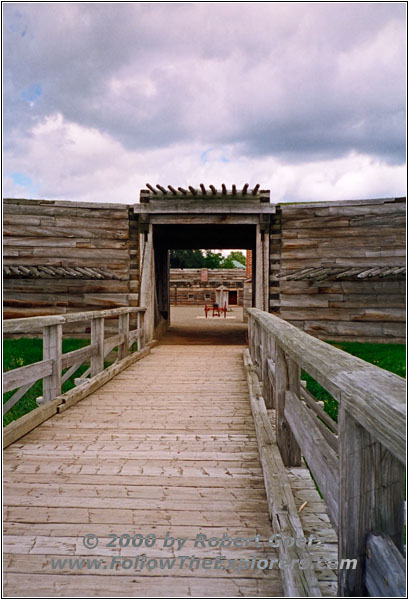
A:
[195, 191]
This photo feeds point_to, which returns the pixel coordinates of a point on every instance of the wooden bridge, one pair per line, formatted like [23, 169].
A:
[197, 455]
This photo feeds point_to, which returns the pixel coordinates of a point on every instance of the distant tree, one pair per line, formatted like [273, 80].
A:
[186, 259]
[234, 255]
[213, 260]
[198, 259]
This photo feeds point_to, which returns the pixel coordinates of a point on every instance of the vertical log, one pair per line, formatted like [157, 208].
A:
[251, 336]
[97, 338]
[140, 325]
[371, 499]
[286, 379]
[123, 327]
[52, 349]
[268, 391]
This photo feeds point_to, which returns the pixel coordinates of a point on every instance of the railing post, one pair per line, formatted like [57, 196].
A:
[123, 327]
[371, 495]
[287, 378]
[250, 327]
[97, 338]
[267, 354]
[140, 325]
[52, 341]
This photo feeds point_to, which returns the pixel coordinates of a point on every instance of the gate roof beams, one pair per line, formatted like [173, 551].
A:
[204, 200]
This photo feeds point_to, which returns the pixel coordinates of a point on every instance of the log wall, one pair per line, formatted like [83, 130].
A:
[365, 234]
[352, 234]
[63, 235]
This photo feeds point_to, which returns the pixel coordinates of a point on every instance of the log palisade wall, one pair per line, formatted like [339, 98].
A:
[68, 257]
[53, 240]
[356, 306]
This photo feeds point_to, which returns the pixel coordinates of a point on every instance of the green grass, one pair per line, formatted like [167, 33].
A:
[25, 351]
[391, 357]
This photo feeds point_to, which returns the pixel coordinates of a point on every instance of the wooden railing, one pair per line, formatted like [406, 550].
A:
[358, 463]
[54, 361]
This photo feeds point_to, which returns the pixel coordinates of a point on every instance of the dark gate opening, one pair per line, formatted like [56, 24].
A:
[190, 237]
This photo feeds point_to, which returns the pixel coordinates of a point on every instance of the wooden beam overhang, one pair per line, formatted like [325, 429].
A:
[204, 200]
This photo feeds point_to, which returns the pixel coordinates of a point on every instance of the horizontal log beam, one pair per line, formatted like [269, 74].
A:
[385, 572]
[320, 457]
[80, 355]
[26, 325]
[25, 375]
[283, 512]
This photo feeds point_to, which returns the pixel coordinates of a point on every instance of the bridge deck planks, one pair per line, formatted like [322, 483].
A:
[169, 445]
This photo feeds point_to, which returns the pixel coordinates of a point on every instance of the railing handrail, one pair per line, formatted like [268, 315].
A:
[357, 464]
[375, 398]
[29, 324]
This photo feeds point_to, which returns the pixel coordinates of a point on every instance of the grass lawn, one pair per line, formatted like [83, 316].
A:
[25, 351]
[391, 357]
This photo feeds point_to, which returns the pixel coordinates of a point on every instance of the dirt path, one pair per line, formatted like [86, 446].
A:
[189, 326]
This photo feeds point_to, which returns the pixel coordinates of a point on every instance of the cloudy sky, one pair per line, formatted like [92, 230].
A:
[307, 99]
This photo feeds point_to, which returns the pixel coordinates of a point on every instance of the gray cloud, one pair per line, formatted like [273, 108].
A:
[296, 82]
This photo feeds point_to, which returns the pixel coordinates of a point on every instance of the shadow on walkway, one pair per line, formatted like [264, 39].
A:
[189, 326]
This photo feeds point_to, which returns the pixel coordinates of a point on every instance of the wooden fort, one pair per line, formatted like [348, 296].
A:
[336, 269]
[178, 440]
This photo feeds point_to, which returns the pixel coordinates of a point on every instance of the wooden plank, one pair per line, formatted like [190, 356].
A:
[35, 323]
[15, 230]
[185, 481]
[320, 457]
[318, 410]
[23, 375]
[80, 355]
[64, 211]
[286, 441]
[283, 513]
[52, 350]
[371, 498]
[16, 397]
[123, 329]
[97, 340]
[385, 572]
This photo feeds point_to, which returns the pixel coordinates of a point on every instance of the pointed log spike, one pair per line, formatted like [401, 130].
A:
[224, 190]
[172, 189]
[192, 189]
[255, 190]
[151, 188]
[245, 188]
[162, 189]
[182, 190]
[203, 188]
[214, 191]
[234, 189]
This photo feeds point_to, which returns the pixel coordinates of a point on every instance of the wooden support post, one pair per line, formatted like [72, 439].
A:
[370, 499]
[139, 324]
[287, 378]
[52, 349]
[251, 336]
[268, 392]
[97, 339]
[123, 327]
